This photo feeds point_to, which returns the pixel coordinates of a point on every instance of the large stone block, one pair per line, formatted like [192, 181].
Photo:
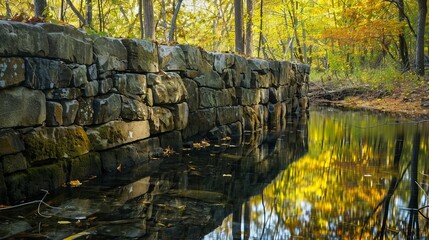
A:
[193, 95]
[259, 65]
[107, 108]
[206, 120]
[79, 75]
[136, 84]
[69, 44]
[172, 140]
[193, 56]
[248, 97]
[10, 142]
[134, 109]
[181, 115]
[21, 39]
[284, 73]
[142, 55]
[85, 166]
[110, 54]
[63, 93]
[171, 58]
[70, 109]
[56, 142]
[46, 74]
[116, 133]
[161, 120]
[105, 85]
[12, 71]
[21, 107]
[265, 95]
[85, 114]
[228, 115]
[54, 114]
[14, 163]
[130, 155]
[169, 89]
[90, 89]
[223, 61]
[208, 77]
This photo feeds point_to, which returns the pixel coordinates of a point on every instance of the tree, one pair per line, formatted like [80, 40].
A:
[238, 13]
[420, 47]
[403, 49]
[40, 8]
[89, 12]
[173, 21]
[249, 25]
[149, 26]
[141, 18]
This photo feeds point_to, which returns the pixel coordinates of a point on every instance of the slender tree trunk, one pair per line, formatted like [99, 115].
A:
[164, 21]
[403, 49]
[141, 18]
[62, 11]
[249, 25]
[238, 13]
[74, 9]
[89, 12]
[100, 15]
[173, 21]
[420, 47]
[8, 11]
[40, 8]
[260, 27]
[413, 223]
[149, 26]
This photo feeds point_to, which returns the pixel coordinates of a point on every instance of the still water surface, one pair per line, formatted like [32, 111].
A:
[334, 175]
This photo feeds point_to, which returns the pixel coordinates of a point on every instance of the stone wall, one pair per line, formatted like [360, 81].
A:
[74, 105]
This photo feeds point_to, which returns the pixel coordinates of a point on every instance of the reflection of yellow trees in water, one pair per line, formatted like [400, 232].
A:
[335, 190]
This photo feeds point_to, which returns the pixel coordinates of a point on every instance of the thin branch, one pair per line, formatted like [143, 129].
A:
[74, 9]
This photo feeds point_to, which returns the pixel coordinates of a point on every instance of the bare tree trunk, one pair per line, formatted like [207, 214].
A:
[149, 26]
[40, 8]
[260, 28]
[173, 21]
[8, 11]
[62, 11]
[141, 18]
[420, 47]
[239, 39]
[74, 9]
[403, 49]
[249, 25]
[89, 12]
[164, 20]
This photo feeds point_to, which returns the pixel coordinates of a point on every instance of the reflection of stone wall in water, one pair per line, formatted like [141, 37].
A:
[74, 105]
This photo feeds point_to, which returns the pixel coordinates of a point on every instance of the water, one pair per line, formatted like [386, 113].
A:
[335, 175]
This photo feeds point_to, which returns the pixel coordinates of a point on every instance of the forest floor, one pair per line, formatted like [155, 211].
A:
[406, 100]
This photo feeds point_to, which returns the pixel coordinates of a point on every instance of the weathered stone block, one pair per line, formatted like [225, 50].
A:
[116, 133]
[130, 155]
[161, 120]
[208, 77]
[250, 119]
[192, 55]
[85, 166]
[90, 89]
[259, 65]
[21, 107]
[79, 75]
[85, 114]
[63, 93]
[248, 97]
[181, 115]
[142, 55]
[193, 95]
[105, 85]
[54, 114]
[265, 95]
[68, 44]
[70, 109]
[111, 54]
[228, 115]
[107, 108]
[228, 76]
[12, 71]
[214, 98]
[169, 89]
[274, 96]
[171, 58]
[275, 111]
[136, 84]
[92, 73]
[133, 109]
[223, 61]
[10, 142]
[204, 119]
[14, 163]
[46, 74]
[21, 39]
[56, 142]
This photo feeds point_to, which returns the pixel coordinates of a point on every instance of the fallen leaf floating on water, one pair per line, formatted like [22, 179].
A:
[64, 222]
[119, 168]
[75, 183]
